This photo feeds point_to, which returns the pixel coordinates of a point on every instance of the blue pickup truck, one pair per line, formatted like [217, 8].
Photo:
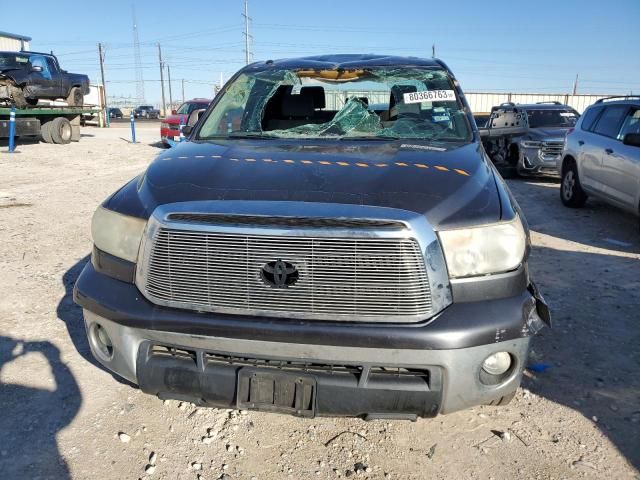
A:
[26, 77]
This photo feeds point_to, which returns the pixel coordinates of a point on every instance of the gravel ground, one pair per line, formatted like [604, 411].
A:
[61, 416]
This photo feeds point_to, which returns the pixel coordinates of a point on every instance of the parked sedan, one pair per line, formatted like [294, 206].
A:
[601, 156]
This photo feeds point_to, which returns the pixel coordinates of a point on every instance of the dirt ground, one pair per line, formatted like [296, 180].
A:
[62, 416]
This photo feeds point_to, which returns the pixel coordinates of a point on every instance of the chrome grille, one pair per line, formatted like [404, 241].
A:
[552, 149]
[355, 279]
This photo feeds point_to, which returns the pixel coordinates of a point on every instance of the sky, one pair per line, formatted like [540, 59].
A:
[496, 46]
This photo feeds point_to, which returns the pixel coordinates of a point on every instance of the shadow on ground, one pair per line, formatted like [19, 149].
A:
[593, 349]
[31, 417]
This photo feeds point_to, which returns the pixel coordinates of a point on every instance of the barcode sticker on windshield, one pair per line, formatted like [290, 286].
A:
[430, 96]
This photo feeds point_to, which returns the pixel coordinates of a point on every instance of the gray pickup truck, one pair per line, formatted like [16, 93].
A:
[318, 258]
[536, 145]
[26, 77]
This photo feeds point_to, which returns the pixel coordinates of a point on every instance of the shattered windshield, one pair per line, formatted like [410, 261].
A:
[403, 102]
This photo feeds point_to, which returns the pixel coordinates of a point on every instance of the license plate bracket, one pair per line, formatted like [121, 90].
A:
[276, 391]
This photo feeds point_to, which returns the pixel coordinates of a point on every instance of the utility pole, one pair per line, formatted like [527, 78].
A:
[575, 85]
[104, 85]
[137, 59]
[433, 51]
[164, 103]
[169, 78]
[247, 52]
[183, 90]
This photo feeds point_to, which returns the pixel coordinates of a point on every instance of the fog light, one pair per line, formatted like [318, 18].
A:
[102, 341]
[497, 364]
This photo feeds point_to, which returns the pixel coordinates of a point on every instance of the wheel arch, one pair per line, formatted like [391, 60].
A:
[566, 161]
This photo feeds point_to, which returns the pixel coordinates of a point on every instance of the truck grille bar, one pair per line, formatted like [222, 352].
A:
[366, 279]
[551, 150]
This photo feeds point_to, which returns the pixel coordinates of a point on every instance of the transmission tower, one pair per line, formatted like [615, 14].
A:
[137, 59]
[247, 36]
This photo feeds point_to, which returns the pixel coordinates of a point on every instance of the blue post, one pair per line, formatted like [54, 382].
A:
[181, 134]
[12, 129]
[133, 128]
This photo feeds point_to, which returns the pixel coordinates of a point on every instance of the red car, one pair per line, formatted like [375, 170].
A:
[170, 126]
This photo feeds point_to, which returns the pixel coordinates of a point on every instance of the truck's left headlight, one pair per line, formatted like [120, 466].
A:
[495, 248]
[531, 144]
[117, 234]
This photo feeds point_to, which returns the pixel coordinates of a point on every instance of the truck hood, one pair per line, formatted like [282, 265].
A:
[451, 186]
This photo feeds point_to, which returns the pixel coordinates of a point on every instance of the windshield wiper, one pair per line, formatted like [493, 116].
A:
[238, 135]
[249, 135]
[371, 137]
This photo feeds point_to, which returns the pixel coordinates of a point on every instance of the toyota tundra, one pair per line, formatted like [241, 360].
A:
[305, 252]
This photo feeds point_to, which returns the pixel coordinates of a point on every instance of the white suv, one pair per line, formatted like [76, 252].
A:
[601, 155]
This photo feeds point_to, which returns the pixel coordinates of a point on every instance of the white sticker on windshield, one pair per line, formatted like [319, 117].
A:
[567, 114]
[430, 96]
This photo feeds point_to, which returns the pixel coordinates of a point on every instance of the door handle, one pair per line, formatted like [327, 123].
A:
[580, 142]
[608, 150]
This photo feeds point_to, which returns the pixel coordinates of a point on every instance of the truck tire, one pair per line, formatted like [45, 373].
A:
[45, 132]
[571, 193]
[18, 98]
[75, 98]
[60, 129]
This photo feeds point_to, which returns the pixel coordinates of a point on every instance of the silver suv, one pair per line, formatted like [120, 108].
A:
[601, 155]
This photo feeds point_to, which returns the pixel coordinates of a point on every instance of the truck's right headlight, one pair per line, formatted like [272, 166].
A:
[495, 248]
[117, 234]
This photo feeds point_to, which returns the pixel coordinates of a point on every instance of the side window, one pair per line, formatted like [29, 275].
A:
[610, 120]
[631, 124]
[589, 118]
[52, 65]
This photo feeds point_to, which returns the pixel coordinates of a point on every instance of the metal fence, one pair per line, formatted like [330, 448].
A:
[480, 102]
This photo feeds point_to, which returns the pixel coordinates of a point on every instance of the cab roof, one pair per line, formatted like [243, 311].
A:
[348, 61]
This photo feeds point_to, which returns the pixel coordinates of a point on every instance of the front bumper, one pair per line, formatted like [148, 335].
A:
[534, 160]
[346, 362]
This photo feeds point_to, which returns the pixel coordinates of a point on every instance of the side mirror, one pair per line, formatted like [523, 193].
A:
[192, 121]
[174, 112]
[632, 139]
[36, 68]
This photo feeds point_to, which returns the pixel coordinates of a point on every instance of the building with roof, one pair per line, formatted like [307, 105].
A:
[13, 42]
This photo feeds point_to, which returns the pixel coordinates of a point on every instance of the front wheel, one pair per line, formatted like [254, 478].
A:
[75, 98]
[18, 98]
[571, 192]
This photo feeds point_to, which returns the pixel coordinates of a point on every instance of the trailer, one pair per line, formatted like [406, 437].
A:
[54, 124]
